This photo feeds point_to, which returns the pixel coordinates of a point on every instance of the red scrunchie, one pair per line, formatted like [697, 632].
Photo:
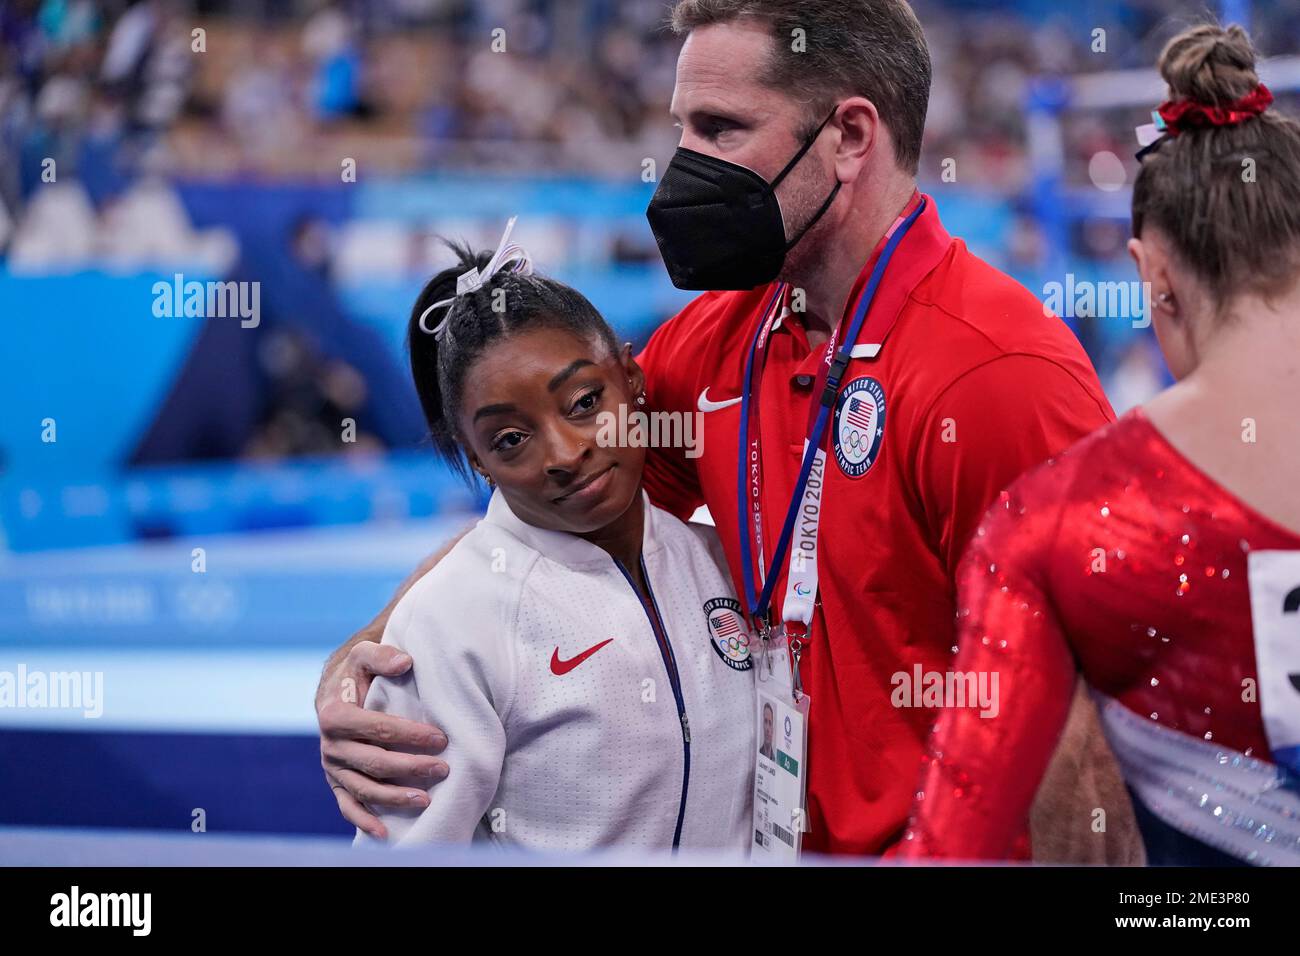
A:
[1188, 114]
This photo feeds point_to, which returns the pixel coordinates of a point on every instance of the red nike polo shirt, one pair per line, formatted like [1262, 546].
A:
[973, 384]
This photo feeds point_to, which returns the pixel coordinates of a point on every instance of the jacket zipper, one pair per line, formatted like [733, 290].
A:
[674, 680]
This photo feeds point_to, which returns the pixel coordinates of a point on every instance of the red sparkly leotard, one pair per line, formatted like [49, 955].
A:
[1121, 560]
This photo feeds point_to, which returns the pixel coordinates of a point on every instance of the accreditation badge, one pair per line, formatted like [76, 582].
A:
[780, 761]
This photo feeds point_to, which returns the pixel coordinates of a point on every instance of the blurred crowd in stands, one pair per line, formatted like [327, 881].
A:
[119, 96]
[229, 86]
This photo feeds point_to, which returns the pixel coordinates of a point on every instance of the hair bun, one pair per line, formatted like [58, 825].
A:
[1209, 64]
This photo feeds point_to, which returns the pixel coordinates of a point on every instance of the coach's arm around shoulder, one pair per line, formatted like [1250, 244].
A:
[355, 743]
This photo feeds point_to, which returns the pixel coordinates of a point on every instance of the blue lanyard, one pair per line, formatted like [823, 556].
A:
[759, 603]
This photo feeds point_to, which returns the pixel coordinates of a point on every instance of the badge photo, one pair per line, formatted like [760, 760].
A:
[727, 632]
[859, 425]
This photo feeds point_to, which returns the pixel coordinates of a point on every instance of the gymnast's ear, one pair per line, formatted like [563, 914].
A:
[635, 376]
[1152, 256]
[1144, 256]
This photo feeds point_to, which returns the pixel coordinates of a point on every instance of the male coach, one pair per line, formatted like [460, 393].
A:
[802, 123]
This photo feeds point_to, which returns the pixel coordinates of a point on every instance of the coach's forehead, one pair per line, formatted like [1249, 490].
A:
[719, 65]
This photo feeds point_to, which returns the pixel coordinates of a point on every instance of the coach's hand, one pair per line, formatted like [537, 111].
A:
[353, 740]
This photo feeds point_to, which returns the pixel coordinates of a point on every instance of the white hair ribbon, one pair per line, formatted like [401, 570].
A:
[507, 254]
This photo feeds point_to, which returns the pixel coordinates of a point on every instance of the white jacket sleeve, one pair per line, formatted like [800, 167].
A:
[461, 680]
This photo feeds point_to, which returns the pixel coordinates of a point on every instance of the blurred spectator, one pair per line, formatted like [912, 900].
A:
[312, 403]
[147, 64]
[329, 40]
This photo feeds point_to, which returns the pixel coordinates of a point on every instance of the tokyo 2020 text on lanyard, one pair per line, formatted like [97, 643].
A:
[801, 582]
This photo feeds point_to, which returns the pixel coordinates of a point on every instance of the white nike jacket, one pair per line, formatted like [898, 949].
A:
[574, 720]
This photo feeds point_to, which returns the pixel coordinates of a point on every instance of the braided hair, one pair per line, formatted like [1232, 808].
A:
[507, 303]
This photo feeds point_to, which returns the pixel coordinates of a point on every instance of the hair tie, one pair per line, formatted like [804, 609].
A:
[1176, 116]
[507, 254]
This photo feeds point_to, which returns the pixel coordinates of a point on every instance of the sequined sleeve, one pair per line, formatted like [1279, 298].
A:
[984, 764]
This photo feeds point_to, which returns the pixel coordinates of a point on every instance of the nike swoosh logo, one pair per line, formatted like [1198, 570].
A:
[707, 406]
[559, 668]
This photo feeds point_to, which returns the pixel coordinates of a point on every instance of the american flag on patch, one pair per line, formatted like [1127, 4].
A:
[726, 624]
[858, 414]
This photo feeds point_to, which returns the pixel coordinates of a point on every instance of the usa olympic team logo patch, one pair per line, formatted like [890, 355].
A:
[859, 425]
[727, 633]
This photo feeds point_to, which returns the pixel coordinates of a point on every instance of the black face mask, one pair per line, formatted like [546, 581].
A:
[719, 224]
